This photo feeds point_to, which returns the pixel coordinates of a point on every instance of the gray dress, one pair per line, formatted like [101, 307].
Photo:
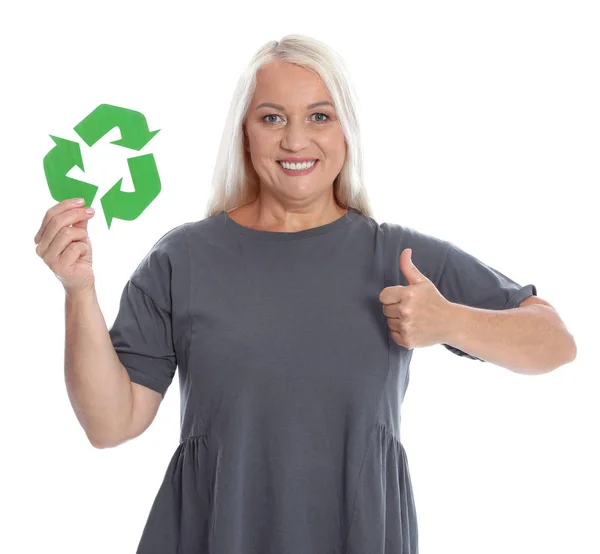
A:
[290, 383]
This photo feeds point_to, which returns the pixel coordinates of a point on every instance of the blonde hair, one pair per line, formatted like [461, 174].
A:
[234, 181]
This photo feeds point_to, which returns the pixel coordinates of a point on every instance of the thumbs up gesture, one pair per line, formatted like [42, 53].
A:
[417, 314]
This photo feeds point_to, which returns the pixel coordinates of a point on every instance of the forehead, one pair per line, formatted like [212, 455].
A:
[288, 84]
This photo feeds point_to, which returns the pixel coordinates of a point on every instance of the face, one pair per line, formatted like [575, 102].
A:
[292, 129]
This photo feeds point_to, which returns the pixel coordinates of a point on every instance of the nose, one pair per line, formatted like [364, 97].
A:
[296, 136]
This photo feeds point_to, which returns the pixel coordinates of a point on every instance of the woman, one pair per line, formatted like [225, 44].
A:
[291, 374]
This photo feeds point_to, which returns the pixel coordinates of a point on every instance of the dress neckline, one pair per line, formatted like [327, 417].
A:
[236, 228]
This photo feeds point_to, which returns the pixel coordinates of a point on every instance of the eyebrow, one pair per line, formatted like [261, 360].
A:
[280, 107]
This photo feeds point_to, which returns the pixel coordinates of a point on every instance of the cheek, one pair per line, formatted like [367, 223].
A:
[262, 145]
[336, 143]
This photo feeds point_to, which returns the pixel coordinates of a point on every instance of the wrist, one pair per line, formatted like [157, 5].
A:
[455, 323]
[86, 293]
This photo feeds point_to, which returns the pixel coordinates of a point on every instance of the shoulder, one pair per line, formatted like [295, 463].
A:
[403, 236]
[170, 244]
[168, 254]
[428, 251]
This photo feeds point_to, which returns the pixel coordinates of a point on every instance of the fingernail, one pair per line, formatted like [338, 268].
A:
[78, 201]
[89, 210]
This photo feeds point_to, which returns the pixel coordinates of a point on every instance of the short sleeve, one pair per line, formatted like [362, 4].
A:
[466, 280]
[142, 333]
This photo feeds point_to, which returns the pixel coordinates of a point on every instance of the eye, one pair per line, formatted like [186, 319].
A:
[275, 115]
[270, 115]
[322, 120]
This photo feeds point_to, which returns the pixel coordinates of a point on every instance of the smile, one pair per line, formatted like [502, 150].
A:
[304, 168]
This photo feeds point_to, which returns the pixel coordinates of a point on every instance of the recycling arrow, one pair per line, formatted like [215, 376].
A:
[135, 133]
[129, 205]
[57, 163]
[116, 203]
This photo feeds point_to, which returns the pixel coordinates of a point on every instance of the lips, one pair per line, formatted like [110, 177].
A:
[298, 171]
[300, 162]
[297, 160]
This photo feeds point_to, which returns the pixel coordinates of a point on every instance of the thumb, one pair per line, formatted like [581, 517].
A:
[409, 269]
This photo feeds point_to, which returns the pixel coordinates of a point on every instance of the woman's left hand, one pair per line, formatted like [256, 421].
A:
[417, 314]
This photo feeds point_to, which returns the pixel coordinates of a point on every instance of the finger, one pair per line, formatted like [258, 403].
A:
[61, 243]
[391, 310]
[82, 224]
[72, 253]
[394, 324]
[55, 210]
[58, 222]
[394, 294]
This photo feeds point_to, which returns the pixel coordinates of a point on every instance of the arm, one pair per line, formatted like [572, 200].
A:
[529, 339]
[98, 385]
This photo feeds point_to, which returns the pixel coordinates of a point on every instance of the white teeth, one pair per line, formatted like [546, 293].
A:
[298, 166]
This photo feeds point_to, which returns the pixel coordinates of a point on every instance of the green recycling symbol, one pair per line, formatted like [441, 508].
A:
[116, 203]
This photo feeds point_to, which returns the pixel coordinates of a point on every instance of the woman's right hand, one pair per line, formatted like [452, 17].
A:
[64, 245]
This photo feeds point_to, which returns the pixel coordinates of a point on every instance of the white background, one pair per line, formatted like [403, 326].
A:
[480, 125]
